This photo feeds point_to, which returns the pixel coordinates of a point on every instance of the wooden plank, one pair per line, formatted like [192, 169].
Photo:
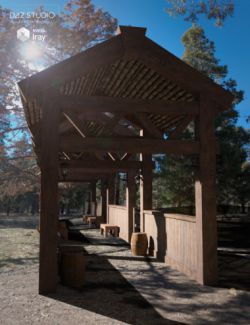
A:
[135, 145]
[97, 104]
[205, 197]
[49, 200]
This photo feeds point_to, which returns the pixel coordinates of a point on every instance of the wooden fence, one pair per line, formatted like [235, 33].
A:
[172, 237]
[118, 215]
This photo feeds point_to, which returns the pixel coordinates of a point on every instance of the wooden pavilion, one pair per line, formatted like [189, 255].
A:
[107, 110]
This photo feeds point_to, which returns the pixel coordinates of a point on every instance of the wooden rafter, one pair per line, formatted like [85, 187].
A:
[110, 125]
[74, 121]
[148, 125]
[180, 127]
[131, 43]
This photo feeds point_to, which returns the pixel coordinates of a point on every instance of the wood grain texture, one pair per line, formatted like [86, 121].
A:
[205, 197]
[181, 244]
[135, 145]
[118, 216]
[49, 200]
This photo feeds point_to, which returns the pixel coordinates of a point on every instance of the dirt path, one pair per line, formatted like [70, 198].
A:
[119, 289]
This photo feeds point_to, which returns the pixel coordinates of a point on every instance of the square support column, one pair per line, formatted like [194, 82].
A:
[49, 200]
[130, 202]
[145, 187]
[110, 194]
[93, 206]
[205, 197]
[104, 198]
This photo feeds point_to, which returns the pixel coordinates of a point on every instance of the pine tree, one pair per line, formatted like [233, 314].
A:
[233, 161]
[218, 10]
[78, 27]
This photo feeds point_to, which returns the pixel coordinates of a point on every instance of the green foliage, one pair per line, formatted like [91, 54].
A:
[233, 163]
[217, 10]
[200, 54]
[173, 182]
[73, 197]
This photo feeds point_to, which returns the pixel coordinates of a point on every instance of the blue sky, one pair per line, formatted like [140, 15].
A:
[232, 40]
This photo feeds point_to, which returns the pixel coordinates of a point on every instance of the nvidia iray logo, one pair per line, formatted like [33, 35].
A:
[23, 34]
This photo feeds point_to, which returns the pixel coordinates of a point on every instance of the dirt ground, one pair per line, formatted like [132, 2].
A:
[119, 288]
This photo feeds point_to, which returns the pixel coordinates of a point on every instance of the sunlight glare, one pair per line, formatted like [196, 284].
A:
[31, 51]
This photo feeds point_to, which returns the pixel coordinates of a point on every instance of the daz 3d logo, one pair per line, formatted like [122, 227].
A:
[23, 34]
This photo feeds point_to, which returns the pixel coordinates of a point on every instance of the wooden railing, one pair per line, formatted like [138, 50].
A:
[172, 237]
[181, 243]
[118, 215]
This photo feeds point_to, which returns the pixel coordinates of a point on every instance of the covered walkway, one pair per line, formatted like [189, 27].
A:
[107, 110]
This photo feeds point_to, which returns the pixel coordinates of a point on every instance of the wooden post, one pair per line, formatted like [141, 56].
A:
[205, 197]
[104, 198]
[117, 189]
[49, 200]
[93, 197]
[145, 187]
[110, 194]
[130, 202]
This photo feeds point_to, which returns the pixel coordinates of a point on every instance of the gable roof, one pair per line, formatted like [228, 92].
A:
[128, 48]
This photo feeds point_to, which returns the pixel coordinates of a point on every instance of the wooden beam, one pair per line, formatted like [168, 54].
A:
[110, 125]
[74, 121]
[131, 202]
[180, 127]
[135, 145]
[81, 177]
[90, 104]
[93, 197]
[149, 126]
[98, 117]
[49, 200]
[145, 187]
[104, 198]
[103, 164]
[110, 194]
[205, 198]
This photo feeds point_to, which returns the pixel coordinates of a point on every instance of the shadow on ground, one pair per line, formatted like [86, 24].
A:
[108, 293]
[28, 222]
[18, 261]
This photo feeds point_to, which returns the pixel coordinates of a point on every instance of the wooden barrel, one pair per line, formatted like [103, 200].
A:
[72, 268]
[139, 243]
